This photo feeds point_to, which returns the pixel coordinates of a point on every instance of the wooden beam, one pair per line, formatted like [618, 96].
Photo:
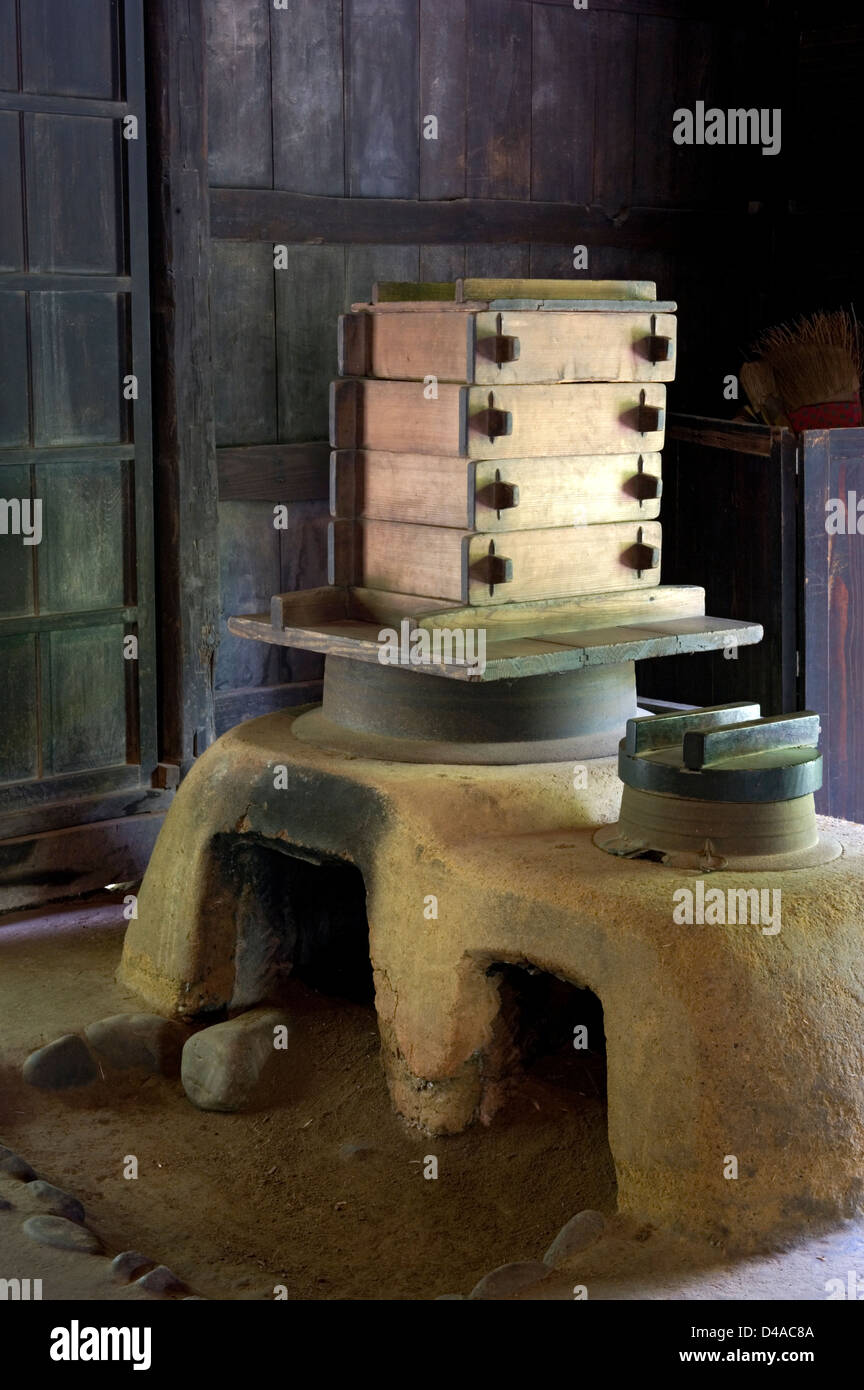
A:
[264, 214]
[185, 455]
[274, 473]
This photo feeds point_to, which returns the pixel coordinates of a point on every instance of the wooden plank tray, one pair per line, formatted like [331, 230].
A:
[513, 495]
[504, 422]
[521, 639]
[487, 348]
[480, 567]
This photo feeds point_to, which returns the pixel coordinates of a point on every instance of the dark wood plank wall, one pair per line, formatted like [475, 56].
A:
[554, 130]
[79, 719]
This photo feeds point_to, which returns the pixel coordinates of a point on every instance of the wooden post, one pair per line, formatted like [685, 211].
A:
[185, 456]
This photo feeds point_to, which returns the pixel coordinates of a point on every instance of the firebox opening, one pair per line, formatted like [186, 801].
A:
[555, 1029]
[299, 915]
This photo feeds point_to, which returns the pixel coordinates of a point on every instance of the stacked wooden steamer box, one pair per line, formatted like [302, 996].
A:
[498, 441]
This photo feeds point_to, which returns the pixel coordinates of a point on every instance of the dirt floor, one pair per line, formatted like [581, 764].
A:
[326, 1194]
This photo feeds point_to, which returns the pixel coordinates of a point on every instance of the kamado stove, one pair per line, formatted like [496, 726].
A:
[494, 557]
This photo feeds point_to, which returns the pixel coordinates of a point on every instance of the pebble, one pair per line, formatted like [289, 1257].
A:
[582, 1230]
[14, 1166]
[160, 1280]
[508, 1279]
[129, 1265]
[64, 1062]
[58, 1202]
[234, 1065]
[62, 1234]
[138, 1040]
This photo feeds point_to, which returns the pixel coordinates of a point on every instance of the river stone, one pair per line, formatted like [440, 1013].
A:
[138, 1040]
[582, 1230]
[62, 1234]
[234, 1065]
[64, 1062]
[160, 1280]
[14, 1166]
[58, 1202]
[129, 1265]
[509, 1279]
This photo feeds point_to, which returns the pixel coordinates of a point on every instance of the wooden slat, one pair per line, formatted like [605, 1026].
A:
[249, 573]
[12, 225]
[307, 82]
[562, 131]
[720, 434]
[80, 353]
[615, 131]
[78, 732]
[17, 561]
[243, 326]
[278, 216]
[53, 56]
[274, 472]
[14, 380]
[310, 295]
[499, 99]
[75, 577]
[239, 122]
[442, 94]
[72, 203]
[8, 46]
[381, 39]
[19, 728]
[182, 385]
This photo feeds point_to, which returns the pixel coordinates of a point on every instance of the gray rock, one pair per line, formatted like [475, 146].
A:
[14, 1166]
[129, 1265]
[138, 1040]
[4, 1205]
[58, 1202]
[234, 1065]
[62, 1234]
[64, 1062]
[160, 1280]
[509, 1279]
[582, 1230]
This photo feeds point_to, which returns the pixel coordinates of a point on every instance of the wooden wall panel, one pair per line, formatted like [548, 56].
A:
[308, 114]
[382, 41]
[8, 47]
[12, 221]
[14, 378]
[443, 39]
[240, 141]
[303, 565]
[563, 101]
[243, 327]
[79, 357]
[499, 99]
[249, 556]
[442, 262]
[310, 295]
[615, 129]
[72, 211]
[83, 503]
[80, 732]
[16, 559]
[54, 58]
[366, 264]
[19, 727]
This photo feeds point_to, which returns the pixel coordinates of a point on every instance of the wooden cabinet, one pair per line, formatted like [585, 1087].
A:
[752, 513]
